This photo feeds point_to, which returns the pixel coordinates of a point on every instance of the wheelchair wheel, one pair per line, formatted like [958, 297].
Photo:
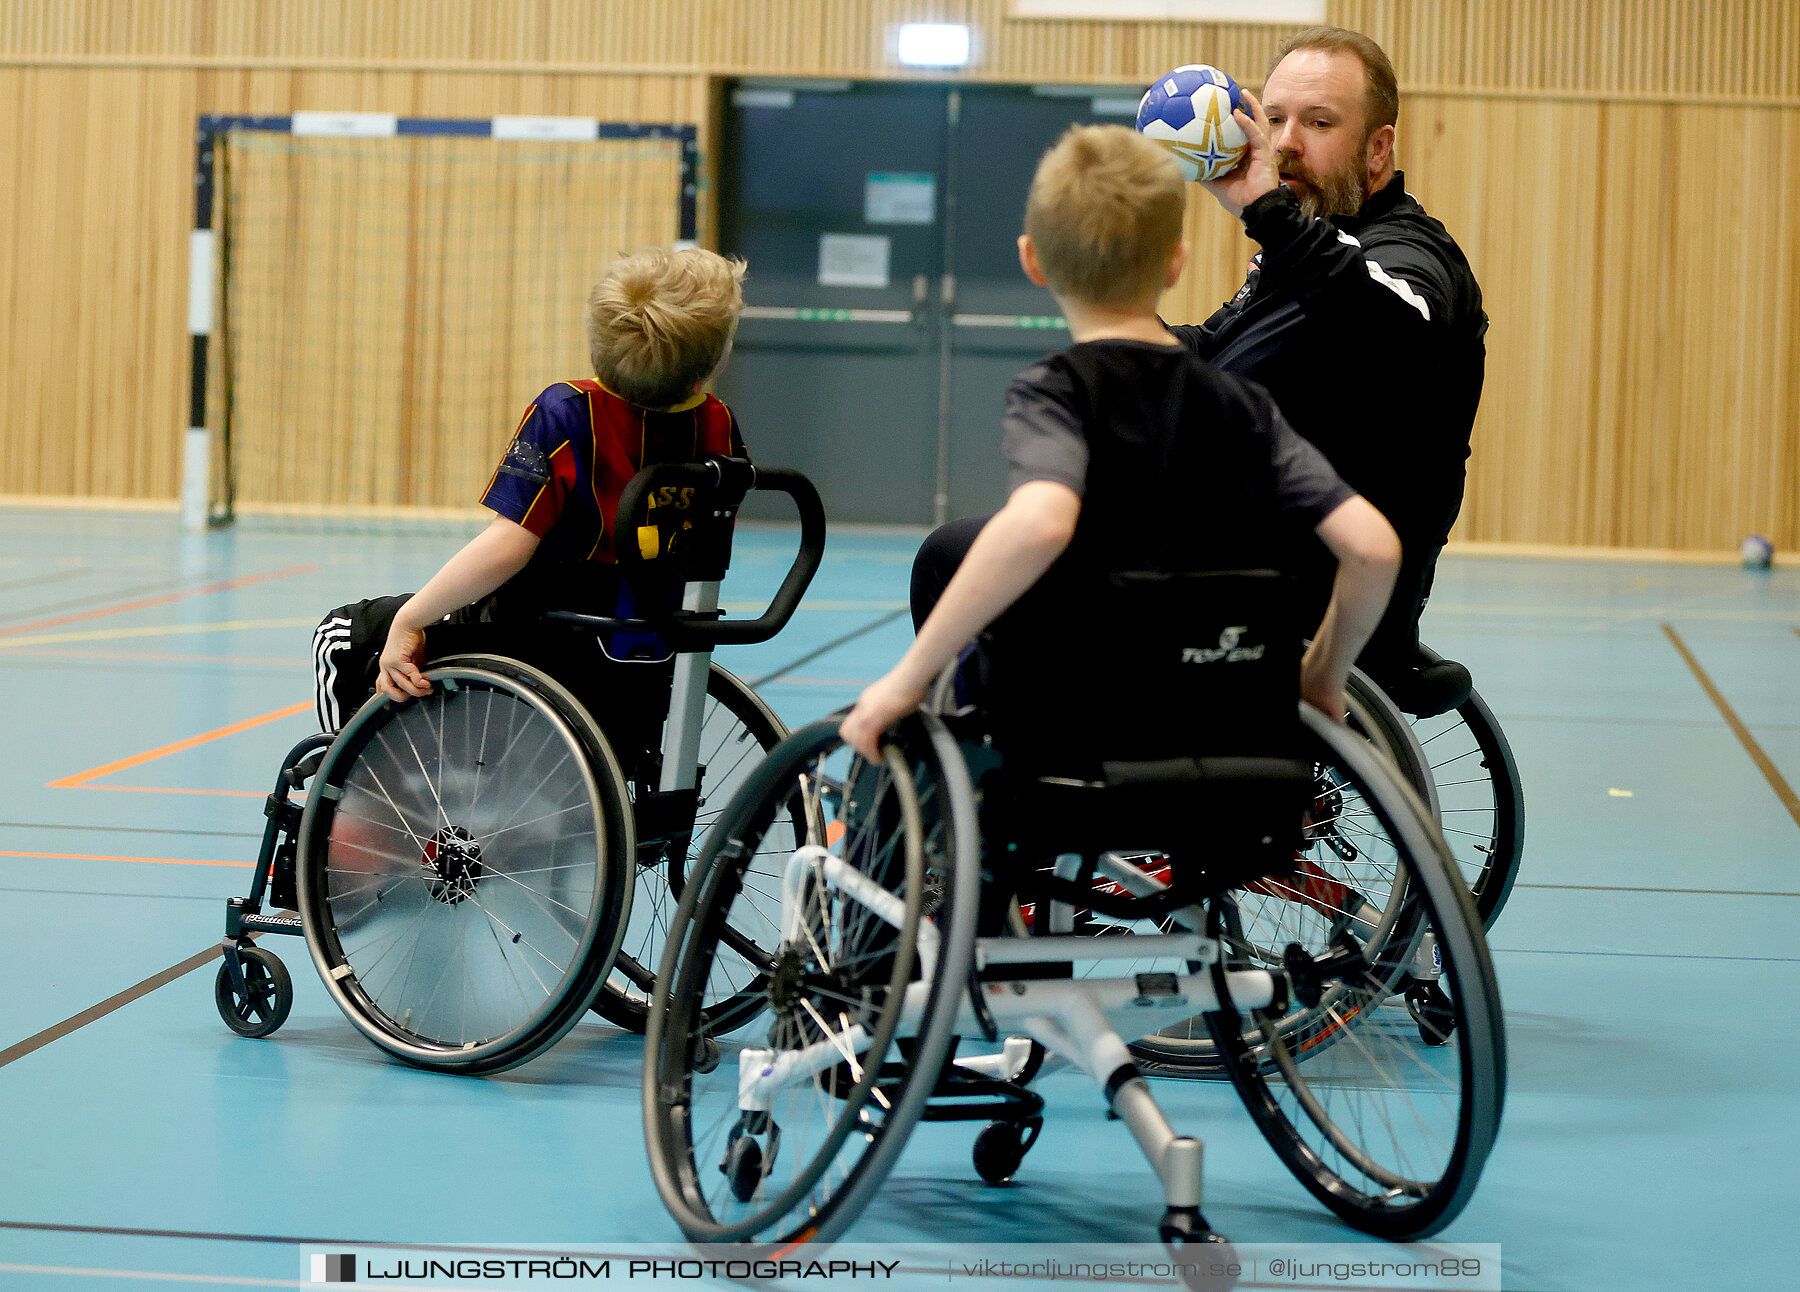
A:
[787, 1138]
[1481, 801]
[1388, 1129]
[465, 866]
[1380, 721]
[1350, 879]
[737, 729]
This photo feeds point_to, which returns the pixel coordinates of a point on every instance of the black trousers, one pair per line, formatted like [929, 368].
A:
[1392, 651]
[629, 700]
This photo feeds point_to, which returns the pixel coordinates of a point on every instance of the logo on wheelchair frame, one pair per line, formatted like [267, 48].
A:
[1227, 651]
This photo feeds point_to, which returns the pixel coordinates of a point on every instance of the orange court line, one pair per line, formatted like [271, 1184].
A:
[82, 778]
[146, 602]
[160, 861]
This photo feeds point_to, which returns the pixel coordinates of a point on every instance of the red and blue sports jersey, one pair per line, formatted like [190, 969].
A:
[577, 446]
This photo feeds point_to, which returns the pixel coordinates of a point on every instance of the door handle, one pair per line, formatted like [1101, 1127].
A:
[921, 290]
[948, 291]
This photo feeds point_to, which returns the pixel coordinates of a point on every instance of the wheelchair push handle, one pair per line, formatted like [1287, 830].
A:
[800, 574]
[690, 542]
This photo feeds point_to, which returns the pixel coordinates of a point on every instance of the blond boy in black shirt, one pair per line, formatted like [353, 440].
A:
[1110, 441]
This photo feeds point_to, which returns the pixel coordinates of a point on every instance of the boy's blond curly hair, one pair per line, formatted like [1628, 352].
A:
[660, 322]
[1104, 214]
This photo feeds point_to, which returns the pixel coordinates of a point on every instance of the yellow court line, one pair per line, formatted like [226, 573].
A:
[161, 630]
[155, 861]
[165, 657]
[244, 625]
[1622, 615]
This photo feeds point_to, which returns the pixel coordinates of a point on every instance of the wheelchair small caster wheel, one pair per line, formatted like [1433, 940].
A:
[743, 1167]
[707, 1054]
[999, 1149]
[1206, 1257]
[1433, 1011]
[267, 997]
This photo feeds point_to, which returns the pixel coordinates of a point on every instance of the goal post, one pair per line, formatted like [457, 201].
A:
[372, 298]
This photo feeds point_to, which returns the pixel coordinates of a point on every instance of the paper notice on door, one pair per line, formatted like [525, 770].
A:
[853, 259]
[900, 197]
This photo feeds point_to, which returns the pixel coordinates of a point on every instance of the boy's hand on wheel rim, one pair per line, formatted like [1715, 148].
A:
[397, 676]
[879, 707]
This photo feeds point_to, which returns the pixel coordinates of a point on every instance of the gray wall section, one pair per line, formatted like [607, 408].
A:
[855, 405]
[860, 423]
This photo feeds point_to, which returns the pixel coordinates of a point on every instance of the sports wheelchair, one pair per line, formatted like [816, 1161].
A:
[903, 927]
[1460, 764]
[463, 865]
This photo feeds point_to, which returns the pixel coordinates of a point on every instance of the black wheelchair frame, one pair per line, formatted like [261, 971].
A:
[675, 525]
[891, 950]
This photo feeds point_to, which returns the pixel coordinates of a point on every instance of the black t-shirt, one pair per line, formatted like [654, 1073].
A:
[1183, 471]
[1179, 465]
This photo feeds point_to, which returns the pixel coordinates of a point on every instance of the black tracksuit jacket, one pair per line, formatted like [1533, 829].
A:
[1368, 331]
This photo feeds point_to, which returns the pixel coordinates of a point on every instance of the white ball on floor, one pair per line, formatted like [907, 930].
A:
[1758, 552]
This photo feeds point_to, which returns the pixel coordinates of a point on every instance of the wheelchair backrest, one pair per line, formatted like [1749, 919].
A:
[676, 520]
[674, 528]
[1160, 714]
[1144, 666]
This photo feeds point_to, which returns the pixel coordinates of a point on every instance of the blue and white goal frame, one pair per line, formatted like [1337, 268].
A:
[197, 455]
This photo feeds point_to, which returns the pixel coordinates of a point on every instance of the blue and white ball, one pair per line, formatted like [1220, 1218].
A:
[1758, 552]
[1188, 111]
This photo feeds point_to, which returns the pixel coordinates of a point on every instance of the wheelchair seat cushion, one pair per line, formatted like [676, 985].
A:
[1222, 822]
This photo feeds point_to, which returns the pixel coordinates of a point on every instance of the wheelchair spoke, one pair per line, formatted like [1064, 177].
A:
[398, 814]
[419, 760]
[491, 835]
[394, 940]
[399, 859]
[530, 796]
[522, 940]
[544, 903]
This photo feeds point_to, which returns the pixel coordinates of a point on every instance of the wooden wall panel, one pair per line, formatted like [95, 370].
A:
[1624, 174]
[1619, 48]
[384, 365]
[1736, 49]
[98, 170]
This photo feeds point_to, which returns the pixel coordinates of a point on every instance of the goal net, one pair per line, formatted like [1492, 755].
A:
[386, 307]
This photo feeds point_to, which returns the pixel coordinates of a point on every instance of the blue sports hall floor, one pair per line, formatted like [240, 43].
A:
[152, 681]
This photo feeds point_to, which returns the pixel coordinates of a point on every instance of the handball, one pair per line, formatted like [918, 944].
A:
[1188, 111]
[1758, 552]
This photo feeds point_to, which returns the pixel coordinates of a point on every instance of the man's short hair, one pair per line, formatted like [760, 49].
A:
[1381, 90]
[660, 322]
[1105, 213]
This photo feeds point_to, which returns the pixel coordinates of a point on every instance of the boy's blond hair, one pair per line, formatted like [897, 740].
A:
[1104, 215]
[660, 322]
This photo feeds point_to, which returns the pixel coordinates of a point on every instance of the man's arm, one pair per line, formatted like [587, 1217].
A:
[1368, 555]
[489, 559]
[1402, 280]
[1392, 279]
[1011, 554]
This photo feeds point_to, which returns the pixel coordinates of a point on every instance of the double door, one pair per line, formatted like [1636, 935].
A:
[886, 311]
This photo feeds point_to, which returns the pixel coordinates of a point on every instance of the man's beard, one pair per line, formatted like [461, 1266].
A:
[1339, 192]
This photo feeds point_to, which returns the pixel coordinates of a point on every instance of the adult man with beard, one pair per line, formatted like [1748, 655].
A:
[1361, 317]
